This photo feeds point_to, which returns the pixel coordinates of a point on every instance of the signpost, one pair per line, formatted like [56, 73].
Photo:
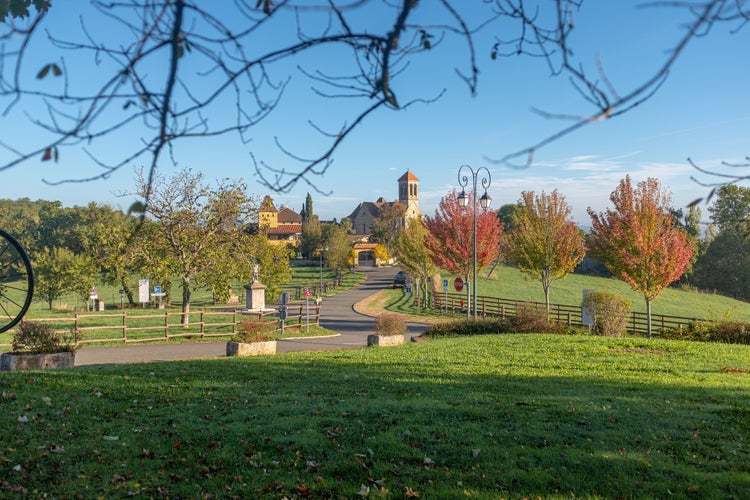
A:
[283, 301]
[458, 284]
[445, 296]
[94, 296]
[143, 292]
[307, 308]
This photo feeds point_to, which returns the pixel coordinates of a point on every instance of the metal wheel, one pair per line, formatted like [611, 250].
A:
[16, 281]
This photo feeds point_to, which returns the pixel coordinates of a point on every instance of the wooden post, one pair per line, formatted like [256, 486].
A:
[124, 327]
[166, 324]
[203, 323]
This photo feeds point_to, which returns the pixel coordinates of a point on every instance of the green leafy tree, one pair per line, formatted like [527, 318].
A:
[337, 248]
[197, 229]
[388, 225]
[307, 209]
[415, 258]
[545, 242]
[724, 266]
[637, 239]
[59, 270]
[312, 237]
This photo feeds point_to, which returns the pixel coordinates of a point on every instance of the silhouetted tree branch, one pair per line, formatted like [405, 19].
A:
[166, 71]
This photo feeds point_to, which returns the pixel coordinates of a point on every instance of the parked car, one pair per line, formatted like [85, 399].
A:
[399, 281]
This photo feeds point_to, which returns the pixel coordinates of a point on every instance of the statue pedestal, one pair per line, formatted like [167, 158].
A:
[255, 296]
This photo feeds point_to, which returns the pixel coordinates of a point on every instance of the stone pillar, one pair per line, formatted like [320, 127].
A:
[255, 296]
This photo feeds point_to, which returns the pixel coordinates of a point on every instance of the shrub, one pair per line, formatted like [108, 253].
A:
[468, 327]
[388, 324]
[36, 337]
[730, 332]
[609, 311]
[254, 331]
[726, 331]
[530, 318]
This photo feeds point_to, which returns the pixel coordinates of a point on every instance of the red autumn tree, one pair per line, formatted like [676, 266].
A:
[451, 236]
[638, 241]
[544, 243]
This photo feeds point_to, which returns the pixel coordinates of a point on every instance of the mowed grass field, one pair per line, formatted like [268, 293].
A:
[496, 416]
[508, 282]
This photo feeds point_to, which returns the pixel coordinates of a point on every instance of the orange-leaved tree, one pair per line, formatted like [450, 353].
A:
[545, 242]
[638, 241]
[451, 236]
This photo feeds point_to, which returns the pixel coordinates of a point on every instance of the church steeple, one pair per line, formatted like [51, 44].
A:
[408, 194]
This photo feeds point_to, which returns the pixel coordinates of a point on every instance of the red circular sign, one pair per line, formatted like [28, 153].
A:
[308, 292]
[458, 284]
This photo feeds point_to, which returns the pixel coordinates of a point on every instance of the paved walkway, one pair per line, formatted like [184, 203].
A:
[337, 314]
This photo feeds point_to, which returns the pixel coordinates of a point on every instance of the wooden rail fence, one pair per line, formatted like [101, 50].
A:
[125, 327]
[455, 304]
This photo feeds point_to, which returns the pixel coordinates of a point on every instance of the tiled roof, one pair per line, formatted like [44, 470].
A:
[408, 176]
[285, 229]
[287, 215]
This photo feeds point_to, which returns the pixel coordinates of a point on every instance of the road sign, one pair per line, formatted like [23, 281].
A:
[157, 289]
[458, 284]
[445, 285]
[307, 292]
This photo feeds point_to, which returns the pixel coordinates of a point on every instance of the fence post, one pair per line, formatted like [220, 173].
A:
[76, 326]
[166, 324]
[124, 327]
[203, 323]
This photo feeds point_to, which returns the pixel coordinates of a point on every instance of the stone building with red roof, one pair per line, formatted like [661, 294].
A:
[282, 225]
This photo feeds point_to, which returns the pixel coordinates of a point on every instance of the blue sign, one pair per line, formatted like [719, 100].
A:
[445, 284]
[157, 289]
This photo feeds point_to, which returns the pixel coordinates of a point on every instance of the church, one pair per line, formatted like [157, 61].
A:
[363, 217]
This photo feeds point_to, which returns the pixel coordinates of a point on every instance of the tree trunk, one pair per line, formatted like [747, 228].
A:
[546, 298]
[648, 317]
[185, 320]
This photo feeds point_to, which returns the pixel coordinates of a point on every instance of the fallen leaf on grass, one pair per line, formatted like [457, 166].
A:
[363, 491]
[410, 492]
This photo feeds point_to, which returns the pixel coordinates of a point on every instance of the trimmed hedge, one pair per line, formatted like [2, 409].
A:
[469, 327]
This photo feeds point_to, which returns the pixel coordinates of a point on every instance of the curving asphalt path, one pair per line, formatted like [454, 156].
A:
[337, 314]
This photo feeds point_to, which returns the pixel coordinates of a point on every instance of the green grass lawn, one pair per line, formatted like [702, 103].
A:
[515, 416]
[509, 282]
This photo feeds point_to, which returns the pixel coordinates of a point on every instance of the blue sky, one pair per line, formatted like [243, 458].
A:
[702, 111]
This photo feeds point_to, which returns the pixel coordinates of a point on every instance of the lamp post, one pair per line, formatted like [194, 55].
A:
[484, 201]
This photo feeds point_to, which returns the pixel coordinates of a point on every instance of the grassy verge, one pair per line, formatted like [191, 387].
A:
[492, 416]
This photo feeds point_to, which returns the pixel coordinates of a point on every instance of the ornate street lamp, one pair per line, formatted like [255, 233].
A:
[484, 201]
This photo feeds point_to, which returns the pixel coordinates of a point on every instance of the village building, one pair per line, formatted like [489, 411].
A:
[364, 216]
[280, 226]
